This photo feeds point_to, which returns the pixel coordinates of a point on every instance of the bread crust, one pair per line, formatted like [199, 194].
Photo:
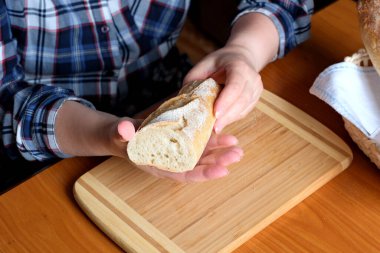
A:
[189, 116]
[369, 18]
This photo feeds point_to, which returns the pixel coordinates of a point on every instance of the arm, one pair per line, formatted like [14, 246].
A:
[255, 34]
[82, 131]
[33, 117]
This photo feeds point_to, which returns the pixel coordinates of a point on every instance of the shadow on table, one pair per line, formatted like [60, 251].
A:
[13, 172]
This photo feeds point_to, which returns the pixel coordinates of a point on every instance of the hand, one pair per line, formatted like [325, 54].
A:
[82, 131]
[232, 66]
[122, 131]
[220, 152]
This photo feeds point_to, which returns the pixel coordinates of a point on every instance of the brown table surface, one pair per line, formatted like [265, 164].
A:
[41, 215]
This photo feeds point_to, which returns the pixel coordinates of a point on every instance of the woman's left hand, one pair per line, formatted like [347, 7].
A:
[232, 66]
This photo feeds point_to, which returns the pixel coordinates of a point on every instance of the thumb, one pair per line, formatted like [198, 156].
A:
[200, 71]
[126, 129]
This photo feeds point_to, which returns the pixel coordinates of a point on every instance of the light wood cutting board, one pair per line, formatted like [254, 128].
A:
[288, 155]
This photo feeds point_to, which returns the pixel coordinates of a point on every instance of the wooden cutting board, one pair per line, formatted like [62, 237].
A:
[288, 156]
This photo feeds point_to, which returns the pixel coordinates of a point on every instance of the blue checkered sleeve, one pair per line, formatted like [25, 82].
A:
[54, 51]
[27, 112]
[291, 18]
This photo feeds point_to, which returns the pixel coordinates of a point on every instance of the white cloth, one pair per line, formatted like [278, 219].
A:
[354, 92]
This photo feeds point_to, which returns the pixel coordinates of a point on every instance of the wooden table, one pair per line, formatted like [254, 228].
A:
[40, 215]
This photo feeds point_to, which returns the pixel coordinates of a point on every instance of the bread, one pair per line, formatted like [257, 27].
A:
[369, 17]
[174, 136]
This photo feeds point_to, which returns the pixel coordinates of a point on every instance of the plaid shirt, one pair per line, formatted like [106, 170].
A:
[54, 51]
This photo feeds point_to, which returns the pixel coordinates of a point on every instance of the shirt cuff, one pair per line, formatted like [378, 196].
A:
[40, 143]
[50, 137]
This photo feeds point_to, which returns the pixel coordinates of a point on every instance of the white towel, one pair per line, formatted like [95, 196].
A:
[354, 92]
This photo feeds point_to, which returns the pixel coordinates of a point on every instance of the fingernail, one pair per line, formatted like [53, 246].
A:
[235, 141]
[237, 159]
[225, 173]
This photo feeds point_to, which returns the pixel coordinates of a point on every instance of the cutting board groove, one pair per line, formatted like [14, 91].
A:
[288, 155]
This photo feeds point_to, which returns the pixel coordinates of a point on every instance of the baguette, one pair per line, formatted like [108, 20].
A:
[174, 136]
[369, 17]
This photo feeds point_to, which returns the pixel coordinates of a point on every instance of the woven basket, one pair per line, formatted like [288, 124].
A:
[368, 146]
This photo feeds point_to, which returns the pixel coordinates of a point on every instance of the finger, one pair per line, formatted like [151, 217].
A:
[234, 86]
[221, 140]
[233, 114]
[202, 173]
[246, 102]
[256, 90]
[126, 130]
[248, 108]
[202, 70]
[222, 157]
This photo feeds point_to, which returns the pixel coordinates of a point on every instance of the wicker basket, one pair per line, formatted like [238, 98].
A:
[368, 146]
